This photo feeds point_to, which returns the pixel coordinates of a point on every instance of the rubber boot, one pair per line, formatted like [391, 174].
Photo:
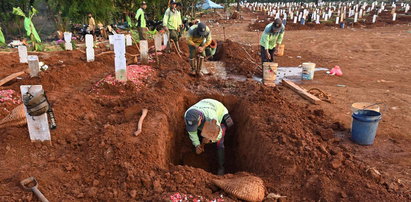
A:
[200, 61]
[220, 158]
[193, 66]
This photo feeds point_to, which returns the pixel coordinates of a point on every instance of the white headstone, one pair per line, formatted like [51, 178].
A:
[394, 16]
[120, 57]
[337, 20]
[355, 17]
[318, 19]
[67, 39]
[295, 19]
[157, 41]
[23, 54]
[374, 18]
[89, 41]
[129, 41]
[89, 47]
[165, 39]
[144, 51]
[34, 66]
[111, 39]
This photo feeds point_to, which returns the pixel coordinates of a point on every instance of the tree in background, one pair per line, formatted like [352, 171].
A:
[29, 26]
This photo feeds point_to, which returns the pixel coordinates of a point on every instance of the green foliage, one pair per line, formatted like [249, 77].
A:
[2, 39]
[29, 26]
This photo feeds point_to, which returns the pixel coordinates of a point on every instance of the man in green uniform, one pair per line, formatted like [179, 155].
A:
[172, 22]
[141, 21]
[195, 118]
[271, 38]
[199, 41]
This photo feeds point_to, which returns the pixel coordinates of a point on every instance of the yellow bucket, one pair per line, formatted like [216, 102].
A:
[281, 50]
[269, 73]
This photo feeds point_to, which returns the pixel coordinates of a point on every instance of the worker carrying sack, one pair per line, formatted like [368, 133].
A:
[36, 104]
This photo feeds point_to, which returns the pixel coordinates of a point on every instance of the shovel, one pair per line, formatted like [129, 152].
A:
[31, 184]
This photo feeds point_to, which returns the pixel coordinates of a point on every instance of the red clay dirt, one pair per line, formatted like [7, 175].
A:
[94, 155]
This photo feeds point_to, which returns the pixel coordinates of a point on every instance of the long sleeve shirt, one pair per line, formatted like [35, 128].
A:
[172, 19]
[196, 40]
[91, 24]
[269, 40]
[141, 18]
[211, 109]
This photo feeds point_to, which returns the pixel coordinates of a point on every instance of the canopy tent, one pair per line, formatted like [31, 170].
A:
[209, 5]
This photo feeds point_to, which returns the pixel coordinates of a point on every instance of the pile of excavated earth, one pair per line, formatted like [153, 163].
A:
[95, 156]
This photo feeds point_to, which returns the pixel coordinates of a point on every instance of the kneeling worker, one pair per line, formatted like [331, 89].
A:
[199, 41]
[203, 117]
[271, 38]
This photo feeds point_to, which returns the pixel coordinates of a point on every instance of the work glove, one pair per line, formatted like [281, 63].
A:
[199, 149]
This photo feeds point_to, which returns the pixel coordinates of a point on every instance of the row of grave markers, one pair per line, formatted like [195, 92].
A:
[39, 127]
[118, 43]
[298, 12]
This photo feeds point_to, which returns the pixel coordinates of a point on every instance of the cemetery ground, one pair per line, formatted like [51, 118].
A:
[300, 150]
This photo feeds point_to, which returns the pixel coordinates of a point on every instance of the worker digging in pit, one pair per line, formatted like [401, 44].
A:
[141, 21]
[207, 123]
[271, 38]
[200, 45]
[172, 23]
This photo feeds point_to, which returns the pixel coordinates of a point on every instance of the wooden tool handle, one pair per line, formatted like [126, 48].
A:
[140, 122]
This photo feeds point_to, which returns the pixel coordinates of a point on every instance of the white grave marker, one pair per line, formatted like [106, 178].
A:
[120, 57]
[38, 125]
[374, 18]
[90, 47]
[144, 51]
[67, 39]
[23, 54]
[34, 66]
[129, 41]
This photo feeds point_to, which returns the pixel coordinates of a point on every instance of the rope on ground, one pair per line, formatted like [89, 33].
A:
[320, 94]
[250, 58]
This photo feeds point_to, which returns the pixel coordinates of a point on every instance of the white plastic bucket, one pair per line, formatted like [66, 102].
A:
[308, 71]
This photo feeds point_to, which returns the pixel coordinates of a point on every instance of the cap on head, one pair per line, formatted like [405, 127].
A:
[173, 2]
[277, 24]
[143, 3]
[201, 29]
[192, 118]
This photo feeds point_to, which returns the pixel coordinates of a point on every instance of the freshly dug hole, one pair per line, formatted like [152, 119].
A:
[242, 146]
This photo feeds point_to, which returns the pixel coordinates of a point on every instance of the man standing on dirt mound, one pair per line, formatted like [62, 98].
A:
[207, 122]
[271, 38]
[141, 21]
[200, 45]
[171, 23]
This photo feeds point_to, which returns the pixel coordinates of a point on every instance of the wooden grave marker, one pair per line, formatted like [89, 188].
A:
[38, 125]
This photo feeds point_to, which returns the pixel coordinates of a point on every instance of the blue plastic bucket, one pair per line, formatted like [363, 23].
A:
[364, 126]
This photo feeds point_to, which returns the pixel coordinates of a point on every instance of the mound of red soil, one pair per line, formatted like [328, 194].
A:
[239, 59]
